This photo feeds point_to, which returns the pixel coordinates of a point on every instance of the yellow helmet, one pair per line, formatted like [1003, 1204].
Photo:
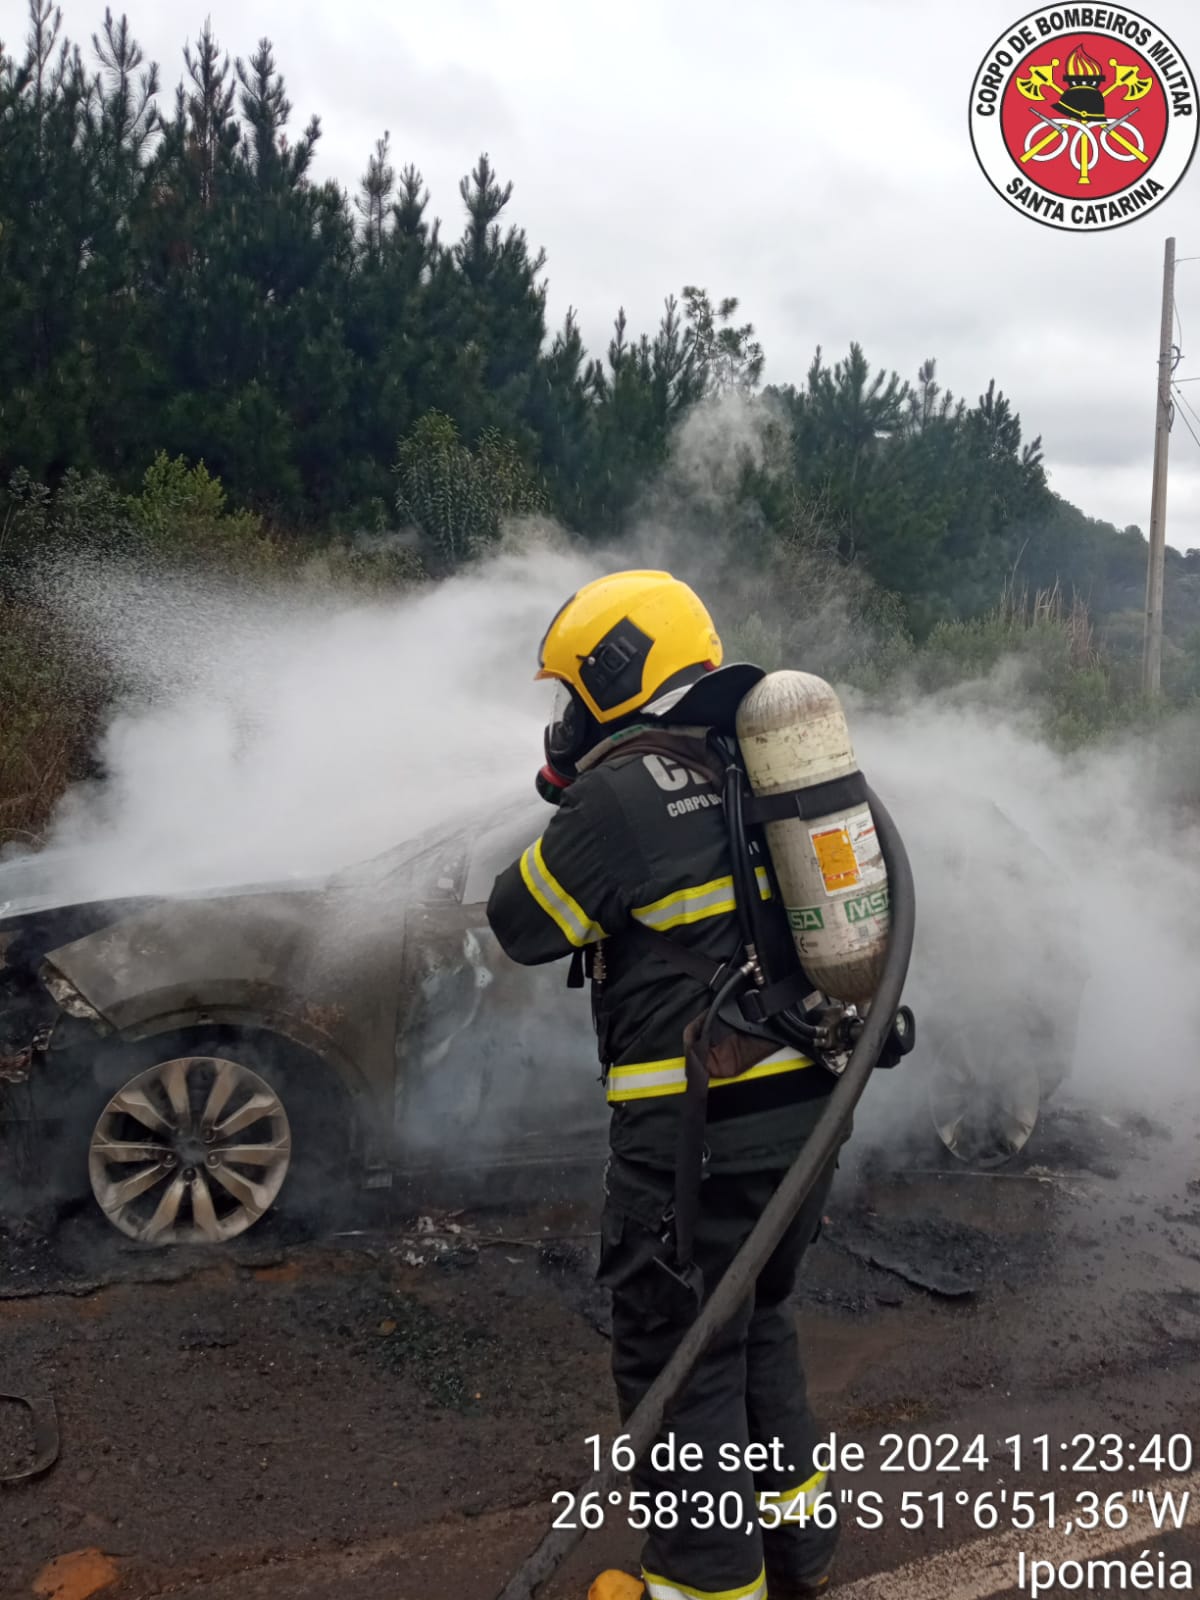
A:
[624, 639]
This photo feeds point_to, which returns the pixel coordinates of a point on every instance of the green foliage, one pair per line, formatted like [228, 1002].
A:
[179, 516]
[726, 357]
[1181, 669]
[457, 498]
[787, 595]
[51, 693]
[935, 496]
[380, 566]
[1081, 692]
[181, 513]
[85, 514]
[174, 493]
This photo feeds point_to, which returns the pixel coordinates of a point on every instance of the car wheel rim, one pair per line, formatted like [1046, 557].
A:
[193, 1150]
[983, 1105]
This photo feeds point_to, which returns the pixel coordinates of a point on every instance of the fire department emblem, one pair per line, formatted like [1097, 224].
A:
[1084, 117]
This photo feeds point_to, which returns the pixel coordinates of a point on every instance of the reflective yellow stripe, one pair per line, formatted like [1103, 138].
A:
[781, 1061]
[682, 906]
[687, 905]
[663, 1589]
[795, 1504]
[644, 1078]
[562, 908]
[641, 1080]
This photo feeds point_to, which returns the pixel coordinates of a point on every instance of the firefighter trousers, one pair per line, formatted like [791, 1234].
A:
[741, 1533]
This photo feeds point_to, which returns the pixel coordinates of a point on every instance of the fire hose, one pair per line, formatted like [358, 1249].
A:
[644, 1423]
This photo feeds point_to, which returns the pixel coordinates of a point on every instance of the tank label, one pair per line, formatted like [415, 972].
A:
[865, 841]
[806, 919]
[834, 849]
[847, 853]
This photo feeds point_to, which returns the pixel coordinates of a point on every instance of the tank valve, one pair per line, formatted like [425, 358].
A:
[900, 1040]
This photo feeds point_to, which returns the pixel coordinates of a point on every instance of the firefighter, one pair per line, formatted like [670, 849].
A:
[638, 841]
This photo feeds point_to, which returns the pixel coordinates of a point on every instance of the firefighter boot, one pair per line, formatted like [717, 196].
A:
[806, 1589]
[616, 1586]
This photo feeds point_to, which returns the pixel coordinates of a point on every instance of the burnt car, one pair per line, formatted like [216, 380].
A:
[191, 1062]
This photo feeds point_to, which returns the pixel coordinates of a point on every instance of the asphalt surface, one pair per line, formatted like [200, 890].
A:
[387, 1414]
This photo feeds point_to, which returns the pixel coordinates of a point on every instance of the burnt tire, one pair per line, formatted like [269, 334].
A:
[200, 1136]
[984, 1096]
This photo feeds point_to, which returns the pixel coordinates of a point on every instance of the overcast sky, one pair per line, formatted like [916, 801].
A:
[813, 160]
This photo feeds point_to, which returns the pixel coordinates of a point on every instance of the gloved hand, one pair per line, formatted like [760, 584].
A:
[729, 1053]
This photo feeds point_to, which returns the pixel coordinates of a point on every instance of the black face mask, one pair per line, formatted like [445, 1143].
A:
[570, 733]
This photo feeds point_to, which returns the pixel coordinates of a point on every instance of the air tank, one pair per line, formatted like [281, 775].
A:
[793, 736]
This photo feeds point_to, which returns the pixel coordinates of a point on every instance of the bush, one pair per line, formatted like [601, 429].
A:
[1080, 689]
[51, 695]
[181, 515]
[456, 498]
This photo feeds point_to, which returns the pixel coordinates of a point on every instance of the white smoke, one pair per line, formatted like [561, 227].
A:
[1051, 889]
[276, 735]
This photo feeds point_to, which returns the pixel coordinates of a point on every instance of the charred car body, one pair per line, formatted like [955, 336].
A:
[190, 1061]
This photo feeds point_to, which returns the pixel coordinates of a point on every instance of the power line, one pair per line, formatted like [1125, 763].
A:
[1187, 424]
[1185, 402]
[1192, 431]
[1188, 407]
[1178, 323]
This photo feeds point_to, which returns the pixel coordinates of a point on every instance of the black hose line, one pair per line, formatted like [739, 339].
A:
[645, 1421]
[689, 1156]
[751, 909]
[745, 883]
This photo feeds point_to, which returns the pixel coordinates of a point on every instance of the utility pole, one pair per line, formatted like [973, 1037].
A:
[1152, 649]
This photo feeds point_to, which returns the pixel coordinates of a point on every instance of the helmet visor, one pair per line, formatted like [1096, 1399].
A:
[570, 731]
[562, 730]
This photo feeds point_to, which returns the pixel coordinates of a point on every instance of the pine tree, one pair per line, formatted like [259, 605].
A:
[726, 358]
[47, 214]
[374, 202]
[117, 137]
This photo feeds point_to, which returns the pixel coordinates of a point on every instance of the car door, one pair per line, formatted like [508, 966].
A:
[497, 1063]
